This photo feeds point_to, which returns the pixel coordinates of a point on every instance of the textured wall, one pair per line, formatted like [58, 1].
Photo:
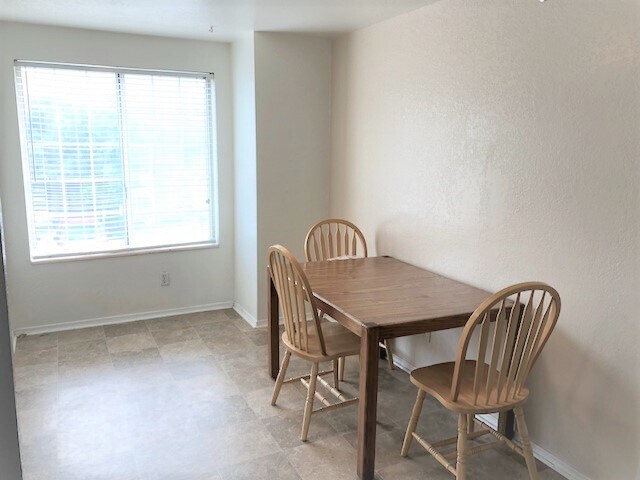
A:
[45, 294]
[495, 142]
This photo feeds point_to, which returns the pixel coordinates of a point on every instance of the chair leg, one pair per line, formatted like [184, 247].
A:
[387, 347]
[308, 407]
[461, 464]
[415, 415]
[341, 363]
[471, 425]
[281, 377]
[336, 375]
[526, 443]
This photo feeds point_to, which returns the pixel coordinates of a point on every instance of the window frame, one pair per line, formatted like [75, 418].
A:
[23, 110]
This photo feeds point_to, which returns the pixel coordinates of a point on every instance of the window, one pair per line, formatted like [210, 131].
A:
[116, 160]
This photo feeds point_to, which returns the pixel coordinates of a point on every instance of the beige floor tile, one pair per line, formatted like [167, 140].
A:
[130, 342]
[176, 457]
[436, 425]
[227, 342]
[194, 368]
[134, 378]
[207, 387]
[271, 467]
[40, 460]
[37, 425]
[218, 327]
[94, 405]
[388, 445]
[167, 323]
[112, 331]
[240, 443]
[203, 318]
[98, 467]
[250, 380]
[91, 440]
[286, 428]
[29, 473]
[35, 376]
[93, 350]
[496, 465]
[549, 474]
[411, 468]
[109, 404]
[184, 351]
[330, 457]
[36, 342]
[252, 359]
[345, 420]
[153, 408]
[217, 413]
[36, 398]
[298, 366]
[35, 356]
[86, 372]
[239, 322]
[517, 457]
[167, 336]
[232, 314]
[146, 357]
[81, 335]
[289, 401]
[107, 470]
[258, 336]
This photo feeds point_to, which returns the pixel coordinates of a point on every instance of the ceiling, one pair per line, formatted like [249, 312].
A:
[193, 18]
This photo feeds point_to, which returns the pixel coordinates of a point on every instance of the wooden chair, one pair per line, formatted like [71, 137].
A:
[509, 342]
[314, 341]
[334, 239]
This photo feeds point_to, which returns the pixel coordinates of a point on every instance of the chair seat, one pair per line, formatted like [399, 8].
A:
[436, 380]
[339, 342]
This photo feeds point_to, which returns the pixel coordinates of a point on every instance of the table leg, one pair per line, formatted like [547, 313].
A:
[369, 357]
[273, 318]
[506, 422]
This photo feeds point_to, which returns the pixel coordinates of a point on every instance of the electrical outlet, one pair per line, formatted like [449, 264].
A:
[428, 336]
[165, 280]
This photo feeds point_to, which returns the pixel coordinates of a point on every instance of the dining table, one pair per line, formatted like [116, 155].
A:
[380, 298]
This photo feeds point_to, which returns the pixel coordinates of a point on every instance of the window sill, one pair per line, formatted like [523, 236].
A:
[123, 253]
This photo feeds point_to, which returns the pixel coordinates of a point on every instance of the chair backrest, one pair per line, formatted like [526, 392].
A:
[297, 302]
[333, 238]
[524, 315]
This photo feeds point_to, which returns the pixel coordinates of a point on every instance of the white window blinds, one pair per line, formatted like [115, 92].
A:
[116, 160]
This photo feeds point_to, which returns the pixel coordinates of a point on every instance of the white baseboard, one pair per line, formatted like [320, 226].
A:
[247, 317]
[114, 319]
[402, 364]
[563, 468]
[491, 419]
[264, 322]
[254, 322]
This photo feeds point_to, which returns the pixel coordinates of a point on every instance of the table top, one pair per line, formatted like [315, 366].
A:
[395, 297]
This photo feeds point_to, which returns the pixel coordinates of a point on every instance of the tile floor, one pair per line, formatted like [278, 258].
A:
[188, 397]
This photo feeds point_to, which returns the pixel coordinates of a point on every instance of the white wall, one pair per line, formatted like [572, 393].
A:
[46, 294]
[293, 118]
[245, 178]
[496, 142]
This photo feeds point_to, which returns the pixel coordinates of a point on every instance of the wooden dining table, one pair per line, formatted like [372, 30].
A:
[380, 298]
